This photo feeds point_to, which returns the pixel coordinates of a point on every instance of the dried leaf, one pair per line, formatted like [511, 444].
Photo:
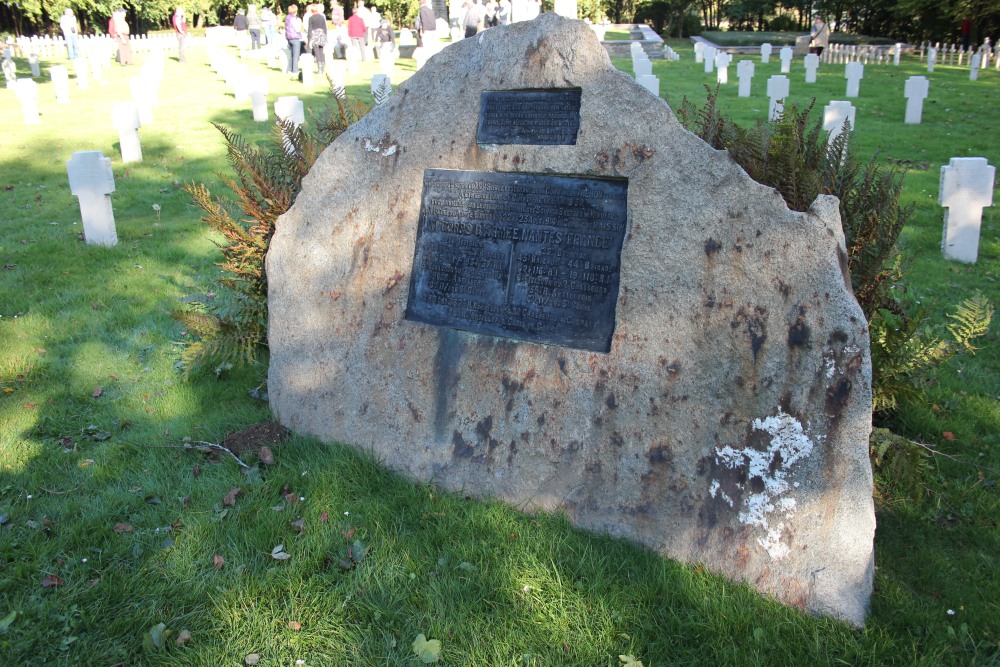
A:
[97, 392]
[279, 553]
[291, 499]
[266, 457]
[294, 625]
[948, 435]
[427, 650]
[218, 561]
[230, 498]
[324, 517]
[299, 525]
[51, 580]
[196, 470]
[252, 659]
[157, 634]
[183, 638]
[123, 528]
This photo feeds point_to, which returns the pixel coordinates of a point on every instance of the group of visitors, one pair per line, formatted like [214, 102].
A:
[477, 16]
[249, 22]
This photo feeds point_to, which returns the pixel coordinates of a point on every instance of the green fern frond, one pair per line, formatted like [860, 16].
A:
[972, 320]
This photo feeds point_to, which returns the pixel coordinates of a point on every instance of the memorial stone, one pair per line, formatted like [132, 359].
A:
[812, 63]
[699, 52]
[915, 91]
[381, 87]
[258, 98]
[27, 95]
[142, 99]
[931, 58]
[834, 115]
[9, 71]
[36, 69]
[853, 72]
[60, 82]
[765, 53]
[628, 330]
[91, 181]
[642, 67]
[777, 91]
[785, 55]
[966, 188]
[722, 61]
[744, 71]
[406, 37]
[650, 82]
[974, 71]
[125, 116]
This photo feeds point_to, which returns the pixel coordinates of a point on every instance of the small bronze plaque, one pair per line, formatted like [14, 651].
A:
[526, 256]
[536, 117]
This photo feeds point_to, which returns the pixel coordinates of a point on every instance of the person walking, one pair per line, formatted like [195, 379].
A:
[503, 13]
[268, 24]
[357, 31]
[180, 29]
[293, 33]
[427, 28]
[253, 24]
[71, 32]
[241, 26]
[119, 31]
[316, 30]
[820, 36]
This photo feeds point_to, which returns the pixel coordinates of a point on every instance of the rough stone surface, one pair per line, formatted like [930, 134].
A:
[729, 423]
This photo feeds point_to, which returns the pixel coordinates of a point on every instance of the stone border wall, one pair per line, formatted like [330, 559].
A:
[651, 43]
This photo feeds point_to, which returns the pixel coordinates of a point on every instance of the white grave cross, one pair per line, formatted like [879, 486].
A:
[966, 188]
[977, 60]
[92, 182]
[915, 92]
[27, 93]
[258, 97]
[931, 58]
[710, 53]
[786, 59]
[650, 82]
[744, 70]
[699, 52]
[722, 61]
[777, 91]
[60, 81]
[812, 63]
[765, 53]
[854, 72]
[834, 115]
[125, 116]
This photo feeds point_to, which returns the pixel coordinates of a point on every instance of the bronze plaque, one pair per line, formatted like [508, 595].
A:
[526, 256]
[534, 117]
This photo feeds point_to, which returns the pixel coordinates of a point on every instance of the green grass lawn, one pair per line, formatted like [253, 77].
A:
[618, 35]
[110, 524]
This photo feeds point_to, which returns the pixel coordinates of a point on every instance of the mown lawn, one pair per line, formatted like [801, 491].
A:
[111, 523]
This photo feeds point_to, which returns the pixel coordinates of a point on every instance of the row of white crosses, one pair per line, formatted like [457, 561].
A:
[49, 47]
[948, 53]
[642, 68]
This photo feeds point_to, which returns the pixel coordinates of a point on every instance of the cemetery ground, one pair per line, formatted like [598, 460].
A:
[124, 538]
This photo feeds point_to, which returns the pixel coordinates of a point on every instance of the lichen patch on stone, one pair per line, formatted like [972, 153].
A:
[767, 471]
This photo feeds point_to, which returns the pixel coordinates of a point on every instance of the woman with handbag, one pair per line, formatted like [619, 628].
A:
[316, 31]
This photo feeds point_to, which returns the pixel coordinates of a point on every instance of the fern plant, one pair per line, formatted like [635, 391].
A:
[265, 181]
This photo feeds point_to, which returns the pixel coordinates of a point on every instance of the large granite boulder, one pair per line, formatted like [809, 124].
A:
[727, 424]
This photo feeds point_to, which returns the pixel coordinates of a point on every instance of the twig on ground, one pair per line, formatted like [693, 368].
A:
[953, 458]
[200, 443]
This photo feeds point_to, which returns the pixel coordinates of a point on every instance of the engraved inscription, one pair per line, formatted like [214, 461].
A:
[527, 256]
[536, 117]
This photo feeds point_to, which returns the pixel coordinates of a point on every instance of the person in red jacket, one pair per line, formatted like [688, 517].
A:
[358, 31]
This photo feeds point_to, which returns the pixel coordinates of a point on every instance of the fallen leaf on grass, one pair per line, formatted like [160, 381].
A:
[218, 561]
[6, 621]
[299, 525]
[629, 661]
[97, 392]
[183, 637]
[428, 650]
[153, 500]
[948, 435]
[279, 553]
[324, 517]
[230, 498]
[266, 457]
[51, 580]
[196, 470]
[123, 528]
[294, 625]
[252, 659]
[156, 637]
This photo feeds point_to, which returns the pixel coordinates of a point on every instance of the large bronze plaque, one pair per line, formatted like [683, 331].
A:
[535, 117]
[526, 256]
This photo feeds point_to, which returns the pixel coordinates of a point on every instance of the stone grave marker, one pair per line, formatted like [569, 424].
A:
[896, 53]
[307, 69]
[777, 91]
[642, 67]
[915, 91]
[765, 53]
[9, 71]
[931, 58]
[27, 95]
[406, 37]
[337, 73]
[974, 71]
[710, 53]
[966, 188]
[722, 61]
[834, 115]
[60, 82]
[853, 72]
[125, 116]
[290, 108]
[258, 98]
[785, 55]
[283, 60]
[387, 61]
[381, 87]
[699, 52]
[650, 82]
[142, 98]
[812, 63]
[622, 327]
[82, 72]
[33, 63]
[744, 70]
[91, 181]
